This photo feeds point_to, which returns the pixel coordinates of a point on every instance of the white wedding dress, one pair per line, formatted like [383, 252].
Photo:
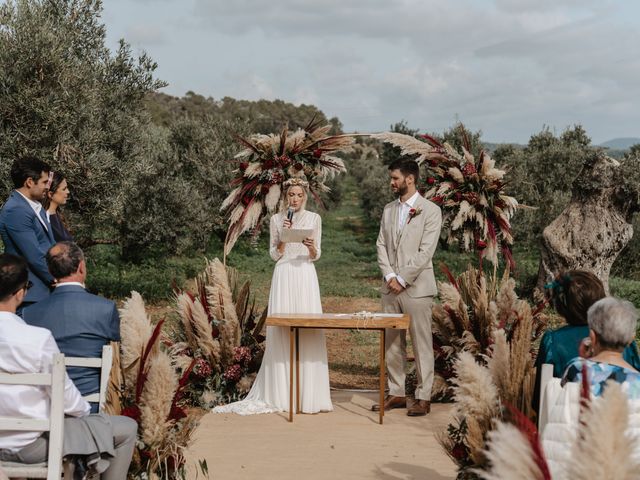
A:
[294, 289]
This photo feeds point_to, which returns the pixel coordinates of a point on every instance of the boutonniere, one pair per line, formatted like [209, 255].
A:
[414, 212]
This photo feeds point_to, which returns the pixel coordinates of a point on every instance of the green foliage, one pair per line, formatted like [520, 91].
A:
[541, 176]
[181, 184]
[261, 116]
[66, 98]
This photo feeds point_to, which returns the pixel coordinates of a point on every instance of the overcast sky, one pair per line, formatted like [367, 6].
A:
[506, 67]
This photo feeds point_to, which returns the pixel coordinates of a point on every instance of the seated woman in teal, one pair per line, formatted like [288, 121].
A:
[612, 327]
[572, 294]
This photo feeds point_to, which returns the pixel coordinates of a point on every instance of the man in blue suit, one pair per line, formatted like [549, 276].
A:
[24, 225]
[80, 322]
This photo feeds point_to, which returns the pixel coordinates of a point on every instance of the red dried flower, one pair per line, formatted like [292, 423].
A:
[317, 153]
[202, 368]
[242, 355]
[472, 197]
[481, 244]
[469, 169]
[298, 166]
[244, 166]
[233, 373]
[459, 452]
[437, 199]
[132, 412]
[283, 160]
[431, 180]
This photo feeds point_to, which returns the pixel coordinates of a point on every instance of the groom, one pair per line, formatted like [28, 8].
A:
[409, 232]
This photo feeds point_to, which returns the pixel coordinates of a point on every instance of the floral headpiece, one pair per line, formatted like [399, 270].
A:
[296, 182]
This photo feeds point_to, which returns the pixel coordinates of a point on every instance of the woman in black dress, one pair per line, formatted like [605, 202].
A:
[57, 196]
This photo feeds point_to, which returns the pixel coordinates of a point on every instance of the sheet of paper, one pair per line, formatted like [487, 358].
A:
[295, 234]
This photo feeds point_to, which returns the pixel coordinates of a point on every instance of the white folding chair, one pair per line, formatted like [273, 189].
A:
[52, 468]
[546, 375]
[104, 364]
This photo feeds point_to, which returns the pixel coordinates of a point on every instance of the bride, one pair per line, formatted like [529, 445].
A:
[294, 289]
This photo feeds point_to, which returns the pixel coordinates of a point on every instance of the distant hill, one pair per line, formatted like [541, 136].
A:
[620, 143]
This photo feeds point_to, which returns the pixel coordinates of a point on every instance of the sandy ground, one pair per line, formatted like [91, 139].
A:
[347, 443]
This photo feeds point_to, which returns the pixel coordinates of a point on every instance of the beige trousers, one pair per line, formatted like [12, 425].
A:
[396, 344]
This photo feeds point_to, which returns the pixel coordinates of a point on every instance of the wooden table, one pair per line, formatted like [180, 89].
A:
[297, 321]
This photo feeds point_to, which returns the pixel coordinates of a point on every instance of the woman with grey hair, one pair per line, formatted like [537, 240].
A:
[612, 326]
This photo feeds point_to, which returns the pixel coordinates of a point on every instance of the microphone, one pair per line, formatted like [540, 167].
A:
[290, 214]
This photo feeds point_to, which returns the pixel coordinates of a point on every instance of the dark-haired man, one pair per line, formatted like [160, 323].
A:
[409, 233]
[81, 323]
[28, 349]
[24, 225]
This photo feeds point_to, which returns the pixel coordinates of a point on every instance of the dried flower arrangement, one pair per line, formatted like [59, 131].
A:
[267, 161]
[473, 307]
[603, 446]
[475, 208]
[206, 353]
[483, 342]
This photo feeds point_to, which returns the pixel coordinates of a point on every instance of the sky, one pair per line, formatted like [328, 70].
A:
[505, 67]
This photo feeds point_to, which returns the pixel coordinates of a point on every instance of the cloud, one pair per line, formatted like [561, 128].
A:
[145, 35]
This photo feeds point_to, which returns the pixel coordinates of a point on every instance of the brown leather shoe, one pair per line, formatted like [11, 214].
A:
[419, 408]
[390, 403]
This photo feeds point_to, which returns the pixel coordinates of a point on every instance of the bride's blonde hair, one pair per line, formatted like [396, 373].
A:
[288, 185]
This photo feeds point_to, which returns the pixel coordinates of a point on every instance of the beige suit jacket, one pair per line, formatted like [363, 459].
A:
[409, 253]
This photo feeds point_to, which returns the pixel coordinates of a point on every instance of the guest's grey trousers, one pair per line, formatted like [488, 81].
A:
[124, 439]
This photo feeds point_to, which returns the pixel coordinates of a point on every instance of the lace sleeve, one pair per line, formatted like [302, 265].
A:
[274, 238]
[317, 236]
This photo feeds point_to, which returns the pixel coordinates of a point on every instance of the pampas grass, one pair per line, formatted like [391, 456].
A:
[604, 447]
[156, 399]
[136, 328]
[220, 299]
[511, 456]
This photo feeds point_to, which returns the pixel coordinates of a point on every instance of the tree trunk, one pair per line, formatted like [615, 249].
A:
[596, 225]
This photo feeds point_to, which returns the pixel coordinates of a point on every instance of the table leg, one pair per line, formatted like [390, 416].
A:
[291, 374]
[382, 371]
[298, 410]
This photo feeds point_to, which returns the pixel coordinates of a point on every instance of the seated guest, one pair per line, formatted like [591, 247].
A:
[572, 293]
[27, 349]
[24, 225]
[612, 327]
[81, 323]
[57, 196]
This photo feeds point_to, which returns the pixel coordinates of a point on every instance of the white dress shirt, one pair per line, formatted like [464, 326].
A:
[36, 206]
[27, 349]
[403, 214]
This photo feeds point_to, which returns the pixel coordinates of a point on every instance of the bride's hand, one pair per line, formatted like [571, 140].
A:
[311, 245]
[286, 223]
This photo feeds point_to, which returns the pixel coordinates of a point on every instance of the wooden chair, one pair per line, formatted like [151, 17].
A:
[52, 468]
[104, 364]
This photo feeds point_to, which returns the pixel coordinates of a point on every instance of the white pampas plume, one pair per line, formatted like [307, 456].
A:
[273, 198]
[135, 331]
[230, 198]
[475, 393]
[252, 216]
[511, 456]
[456, 174]
[449, 294]
[499, 363]
[253, 170]
[605, 446]
[221, 301]
[157, 396]
[408, 145]
[236, 214]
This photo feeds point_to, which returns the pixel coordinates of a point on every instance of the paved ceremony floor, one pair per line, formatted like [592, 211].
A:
[347, 443]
